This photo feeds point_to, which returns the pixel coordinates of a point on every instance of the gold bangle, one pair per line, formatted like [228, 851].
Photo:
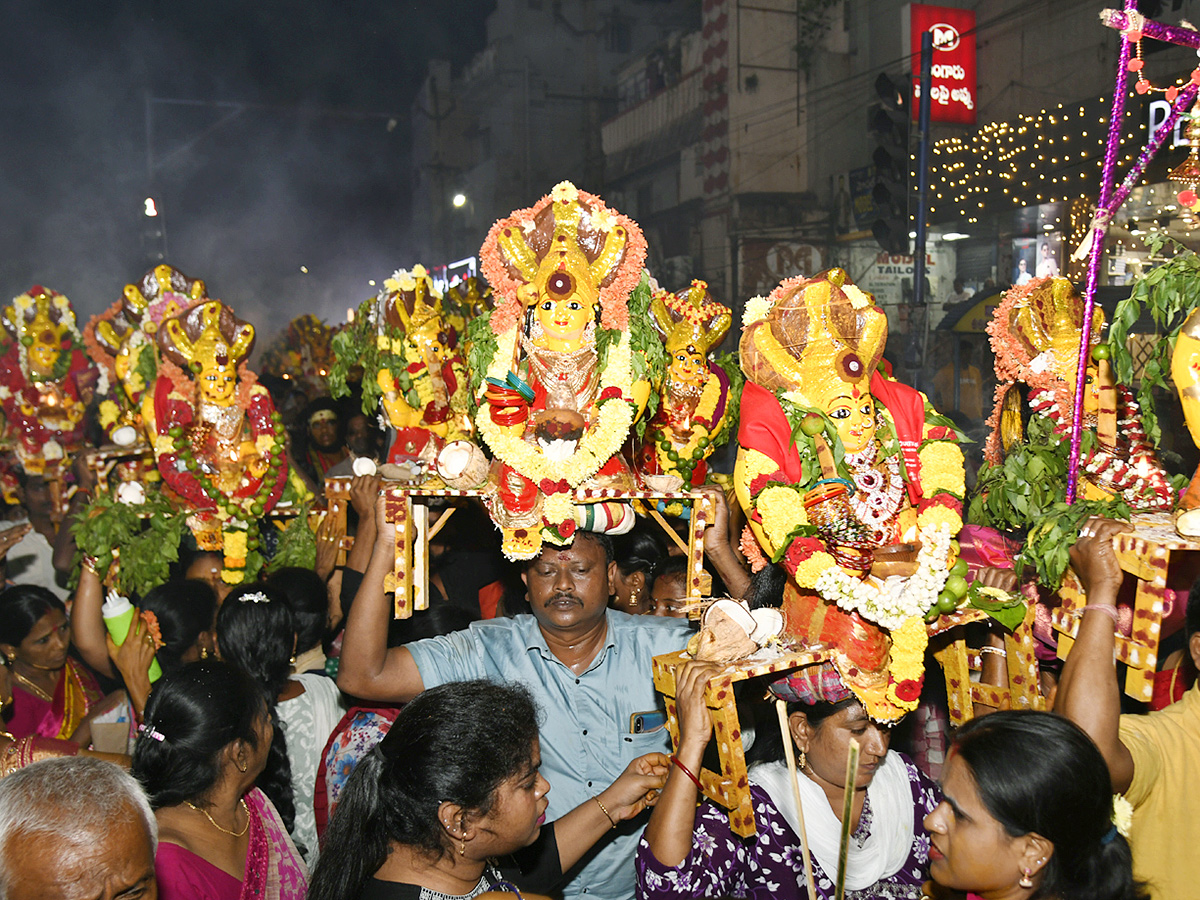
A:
[611, 823]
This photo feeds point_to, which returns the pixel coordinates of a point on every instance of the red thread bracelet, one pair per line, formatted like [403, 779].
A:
[688, 772]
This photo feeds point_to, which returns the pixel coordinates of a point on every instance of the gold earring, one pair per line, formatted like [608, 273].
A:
[803, 761]
[462, 847]
[242, 768]
[1026, 881]
[292, 660]
[204, 653]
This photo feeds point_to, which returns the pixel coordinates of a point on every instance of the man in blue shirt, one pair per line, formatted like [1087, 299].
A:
[587, 666]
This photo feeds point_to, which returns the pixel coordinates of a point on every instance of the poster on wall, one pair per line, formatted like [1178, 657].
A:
[890, 278]
[1049, 255]
[765, 263]
[1035, 257]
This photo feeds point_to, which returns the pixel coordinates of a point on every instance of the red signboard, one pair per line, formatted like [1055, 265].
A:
[952, 92]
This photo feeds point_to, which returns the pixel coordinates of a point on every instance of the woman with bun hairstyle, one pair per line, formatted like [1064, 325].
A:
[183, 610]
[1027, 814]
[203, 744]
[256, 631]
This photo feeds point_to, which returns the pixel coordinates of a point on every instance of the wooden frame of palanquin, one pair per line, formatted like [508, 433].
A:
[948, 641]
[730, 788]
[1157, 558]
[102, 461]
[406, 506]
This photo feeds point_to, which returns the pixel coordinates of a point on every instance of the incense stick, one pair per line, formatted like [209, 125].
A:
[790, 753]
[839, 889]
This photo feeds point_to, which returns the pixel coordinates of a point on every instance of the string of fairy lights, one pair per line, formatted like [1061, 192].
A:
[1054, 155]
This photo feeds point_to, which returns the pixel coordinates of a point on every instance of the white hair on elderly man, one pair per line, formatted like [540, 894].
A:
[70, 801]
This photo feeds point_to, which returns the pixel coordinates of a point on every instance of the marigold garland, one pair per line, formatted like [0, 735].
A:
[942, 468]
[906, 667]
[781, 509]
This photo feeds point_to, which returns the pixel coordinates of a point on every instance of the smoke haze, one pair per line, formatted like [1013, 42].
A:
[309, 172]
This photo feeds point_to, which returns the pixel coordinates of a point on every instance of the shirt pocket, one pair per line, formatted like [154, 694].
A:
[631, 746]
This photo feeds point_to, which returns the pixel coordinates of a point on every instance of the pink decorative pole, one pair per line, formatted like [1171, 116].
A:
[1110, 199]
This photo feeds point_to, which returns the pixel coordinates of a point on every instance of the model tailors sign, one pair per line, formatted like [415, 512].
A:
[952, 88]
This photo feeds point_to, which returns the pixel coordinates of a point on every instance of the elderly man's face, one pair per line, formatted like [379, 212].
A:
[118, 865]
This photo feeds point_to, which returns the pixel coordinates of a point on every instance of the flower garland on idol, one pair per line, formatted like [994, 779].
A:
[878, 479]
[239, 510]
[558, 479]
[1138, 480]
[530, 254]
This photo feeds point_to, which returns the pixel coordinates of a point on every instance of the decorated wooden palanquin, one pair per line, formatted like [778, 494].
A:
[407, 507]
[1021, 690]
[729, 788]
[1158, 560]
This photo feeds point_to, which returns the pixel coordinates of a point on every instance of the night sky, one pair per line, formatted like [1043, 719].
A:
[315, 172]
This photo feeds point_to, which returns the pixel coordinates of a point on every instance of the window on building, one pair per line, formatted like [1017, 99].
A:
[618, 35]
[645, 199]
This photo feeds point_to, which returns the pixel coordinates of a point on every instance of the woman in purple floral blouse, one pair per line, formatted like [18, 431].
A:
[690, 851]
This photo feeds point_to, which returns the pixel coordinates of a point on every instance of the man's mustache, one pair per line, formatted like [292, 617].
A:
[564, 596]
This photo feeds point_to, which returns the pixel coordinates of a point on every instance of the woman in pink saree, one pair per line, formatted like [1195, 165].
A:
[203, 744]
[53, 695]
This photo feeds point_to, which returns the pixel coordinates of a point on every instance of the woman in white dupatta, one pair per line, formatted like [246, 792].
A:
[690, 851]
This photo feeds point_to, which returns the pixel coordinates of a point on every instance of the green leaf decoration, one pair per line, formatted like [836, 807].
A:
[297, 544]
[147, 535]
[147, 366]
[934, 418]
[1019, 492]
[649, 357]
[1050, 540]
[1168, 292]
[481, 347]
[353, 347]
[1009, 611]
[732, 364]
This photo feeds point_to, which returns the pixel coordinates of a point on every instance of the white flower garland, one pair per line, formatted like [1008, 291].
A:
[889, 602]
[596, 447]
[756, 310]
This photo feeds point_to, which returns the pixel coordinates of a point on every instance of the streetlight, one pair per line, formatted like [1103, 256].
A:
[459, 201]
[150, 208]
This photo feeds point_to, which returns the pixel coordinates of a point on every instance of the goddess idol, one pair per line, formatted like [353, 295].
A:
[1035, 334]
[45, 381]
[851, 479]
[217, 437]
[421, 376]
[697, 408]
[120, 342]
[563, 381]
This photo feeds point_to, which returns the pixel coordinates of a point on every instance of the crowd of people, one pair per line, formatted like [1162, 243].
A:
[282, 734]
[498, 754]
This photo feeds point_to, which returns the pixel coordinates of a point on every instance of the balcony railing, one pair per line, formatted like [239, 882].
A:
[653, 115]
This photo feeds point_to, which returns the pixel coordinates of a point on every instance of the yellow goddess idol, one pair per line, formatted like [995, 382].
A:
[696, 410]
[218, 440]
[561, 382]
[45, 379]
[848, 478]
